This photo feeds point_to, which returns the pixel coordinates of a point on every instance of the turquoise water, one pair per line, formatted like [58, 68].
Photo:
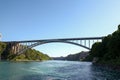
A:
[55, 70]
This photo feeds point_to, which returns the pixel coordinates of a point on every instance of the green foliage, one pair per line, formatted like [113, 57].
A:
[31, 55]
[88, 58]
[119, 27]
[108, 51]
[7, 53]
[96, 49]
[2, 47]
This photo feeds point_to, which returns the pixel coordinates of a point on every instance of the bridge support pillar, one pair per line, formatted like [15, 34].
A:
[16, 47]
[89, 43]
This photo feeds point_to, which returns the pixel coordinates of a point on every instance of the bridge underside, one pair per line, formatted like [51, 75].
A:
[19, 47]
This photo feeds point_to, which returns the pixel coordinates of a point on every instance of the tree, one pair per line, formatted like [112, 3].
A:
[119, 27]
[2, 47]
[108, 51]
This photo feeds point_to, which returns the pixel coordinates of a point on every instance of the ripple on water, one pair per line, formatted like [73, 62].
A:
[55, 70]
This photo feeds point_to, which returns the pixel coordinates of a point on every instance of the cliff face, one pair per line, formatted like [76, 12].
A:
[8, 53]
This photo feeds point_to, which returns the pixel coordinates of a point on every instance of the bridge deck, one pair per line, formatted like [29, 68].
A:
[85, 38]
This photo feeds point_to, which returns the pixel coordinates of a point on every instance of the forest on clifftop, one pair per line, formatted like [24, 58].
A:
[108, 51]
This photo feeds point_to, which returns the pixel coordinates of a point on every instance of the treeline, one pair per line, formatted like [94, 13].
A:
[29, 55]
[107, 51]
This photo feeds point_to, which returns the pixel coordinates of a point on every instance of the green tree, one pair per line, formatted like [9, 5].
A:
[119, 27]
[31, 54]
[2, 47]
[108, 51]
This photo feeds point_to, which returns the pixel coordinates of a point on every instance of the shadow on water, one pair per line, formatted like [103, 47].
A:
[104, 73]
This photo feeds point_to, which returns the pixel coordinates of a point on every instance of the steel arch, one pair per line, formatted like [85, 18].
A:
[54, 41]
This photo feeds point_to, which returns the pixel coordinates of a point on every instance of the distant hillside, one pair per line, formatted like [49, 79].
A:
[58, 58]
[77, 57]
[74, 57]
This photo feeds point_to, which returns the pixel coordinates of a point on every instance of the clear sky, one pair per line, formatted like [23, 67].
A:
[49, 19]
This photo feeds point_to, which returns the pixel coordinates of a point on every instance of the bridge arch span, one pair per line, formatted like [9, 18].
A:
[19, 47]
[56, 41]
[68, 42]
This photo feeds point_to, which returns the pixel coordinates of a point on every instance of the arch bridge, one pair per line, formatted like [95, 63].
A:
[19, 47]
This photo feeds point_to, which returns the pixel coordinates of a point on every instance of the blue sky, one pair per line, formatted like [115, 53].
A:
[48, 19]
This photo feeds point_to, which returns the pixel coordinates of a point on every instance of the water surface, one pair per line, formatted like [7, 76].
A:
[55, 70]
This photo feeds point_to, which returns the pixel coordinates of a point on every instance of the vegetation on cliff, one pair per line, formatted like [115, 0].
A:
[2, 47]
[29, 55]
[107, 51]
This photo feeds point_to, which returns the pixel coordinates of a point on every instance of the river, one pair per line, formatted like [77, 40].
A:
[55, 70]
